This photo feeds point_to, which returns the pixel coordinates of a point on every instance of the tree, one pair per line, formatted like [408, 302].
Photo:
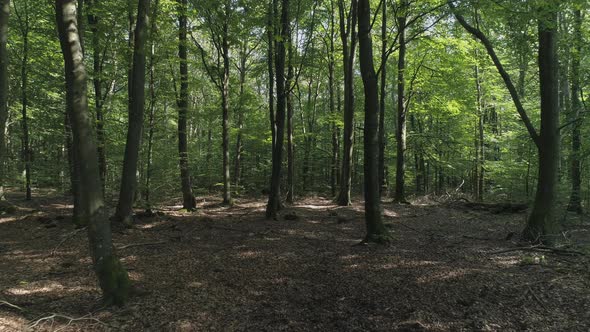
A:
[274, 196]
[136, 110]
[24, 26]
[376, 231]
[400, 133]
[4, 14]
[189, 202]
[347, 33]
[575, 203]
[112, 276]
[541, 225]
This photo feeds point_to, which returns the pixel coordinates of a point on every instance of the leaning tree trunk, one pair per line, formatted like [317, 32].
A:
[137, 102]
[575, 203]
[400, 183]
[4, 14]
[274, 197]
[542, 226]
[376, 231]
[112, 276]
[189, 202]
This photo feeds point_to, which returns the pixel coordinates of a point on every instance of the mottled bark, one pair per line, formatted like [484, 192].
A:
[111, 274]
[575, 203]
[135, 126]
[376, 231]
[189, 202]
[400, 195]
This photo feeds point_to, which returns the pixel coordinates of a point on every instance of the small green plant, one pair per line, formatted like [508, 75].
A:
[533, 260]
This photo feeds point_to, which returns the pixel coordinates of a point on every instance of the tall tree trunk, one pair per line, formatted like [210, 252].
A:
[347, 31]
[376, 231]
[382, 88]
[137, 102]
[26, 150]
[400, 195]
[479, 146]
[335, 141]
[111, 274]
[575, 203]
[274, 199]
[225, 106]
[542, 226]
[4, 14]
[290, 144]
[151, 119]
[189, 202]
[240, 122]
[98, 93]
[271, 32]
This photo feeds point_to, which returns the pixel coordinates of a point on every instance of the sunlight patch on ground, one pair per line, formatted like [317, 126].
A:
[507, 261]
[389, 213]
[12, 323]
[35, 288]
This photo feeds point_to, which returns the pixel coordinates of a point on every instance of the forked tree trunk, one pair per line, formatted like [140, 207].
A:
[112, 276]
[376, 231]
[137, 101]
[189, 203]
[4, 14]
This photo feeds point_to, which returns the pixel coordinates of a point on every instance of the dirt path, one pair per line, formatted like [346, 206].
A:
[229, 269]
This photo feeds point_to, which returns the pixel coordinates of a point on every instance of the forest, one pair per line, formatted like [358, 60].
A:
[336, 165]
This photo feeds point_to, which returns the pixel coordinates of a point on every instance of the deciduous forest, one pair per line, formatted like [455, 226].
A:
[330, 165]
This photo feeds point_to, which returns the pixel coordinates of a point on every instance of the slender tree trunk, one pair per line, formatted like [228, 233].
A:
[400, 195]
[479, 149]
[335, 145]
[151, 120]
[240, 122]
[271, 31]
[189, 202]
[376, 231]
[98, 93]
[382, 87]
[347, 30]
[137, 102]
[542, 226]
[225, 106]
[274, 199]
[111, 274]
[4, 14]
[290, 144]
[26, 149]
[575, 203]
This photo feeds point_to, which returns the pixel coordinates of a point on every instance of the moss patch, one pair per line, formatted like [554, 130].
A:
[113, 280]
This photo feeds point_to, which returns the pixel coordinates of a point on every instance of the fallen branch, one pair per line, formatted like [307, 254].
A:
[2, 302]
[52, 318]
[558, 251]
[66, 237]
[131, 245]
[541, 302]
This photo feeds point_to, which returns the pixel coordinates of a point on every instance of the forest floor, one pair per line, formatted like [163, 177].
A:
[448, 267]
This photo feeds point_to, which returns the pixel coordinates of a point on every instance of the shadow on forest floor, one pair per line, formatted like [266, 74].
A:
[226, 268]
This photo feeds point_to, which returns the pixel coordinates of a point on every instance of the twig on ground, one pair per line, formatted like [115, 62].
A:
[131, 245]
[558, 251]
[66, 237]
[536, 297]
[53, 316]
[2, 302]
